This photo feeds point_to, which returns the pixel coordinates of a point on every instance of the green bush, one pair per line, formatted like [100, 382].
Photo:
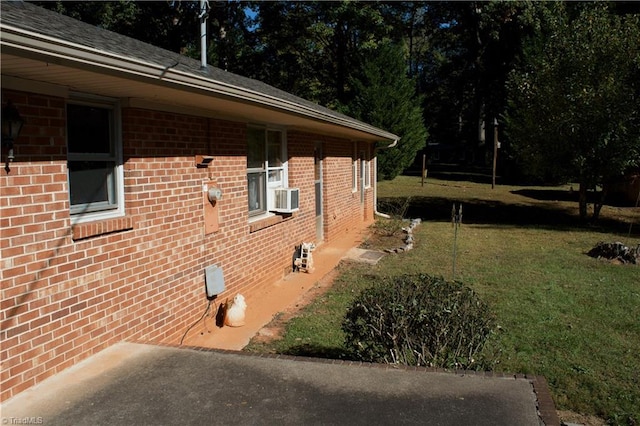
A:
[418, 320]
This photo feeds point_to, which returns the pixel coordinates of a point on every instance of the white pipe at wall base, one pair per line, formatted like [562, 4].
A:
[375, 181]
[375, 190]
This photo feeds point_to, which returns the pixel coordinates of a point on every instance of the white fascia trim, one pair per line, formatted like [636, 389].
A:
[63, 51]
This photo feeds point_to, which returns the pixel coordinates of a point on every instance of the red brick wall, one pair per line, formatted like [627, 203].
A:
[344, 210]
[70, 291]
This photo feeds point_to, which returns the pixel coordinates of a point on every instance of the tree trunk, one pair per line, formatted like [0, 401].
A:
[340, 40]
[597, 206]
[582, 201]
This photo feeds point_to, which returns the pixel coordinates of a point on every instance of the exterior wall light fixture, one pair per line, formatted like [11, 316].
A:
[11, 126]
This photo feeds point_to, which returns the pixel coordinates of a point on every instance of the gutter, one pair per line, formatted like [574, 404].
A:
[375, 180]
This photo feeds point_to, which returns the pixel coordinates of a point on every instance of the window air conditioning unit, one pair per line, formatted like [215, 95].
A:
[286, 200]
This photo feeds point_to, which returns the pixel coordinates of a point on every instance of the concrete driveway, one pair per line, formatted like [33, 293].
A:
[142, 384]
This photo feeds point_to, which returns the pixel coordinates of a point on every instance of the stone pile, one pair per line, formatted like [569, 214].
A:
[408, 240]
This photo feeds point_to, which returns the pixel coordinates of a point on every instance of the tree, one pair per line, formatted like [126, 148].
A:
[312, 49]
[229, 40]
[574, 109]
[463, 74]
[172, 25]
[285, 52]
[386, 97]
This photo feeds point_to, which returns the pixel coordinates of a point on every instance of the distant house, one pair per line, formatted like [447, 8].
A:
[136, 174]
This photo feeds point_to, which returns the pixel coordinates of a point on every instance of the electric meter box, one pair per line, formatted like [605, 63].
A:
[214, 280]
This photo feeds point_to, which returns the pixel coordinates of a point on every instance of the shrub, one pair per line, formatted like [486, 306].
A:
[396, 208]
[417, 320]
[388, 227]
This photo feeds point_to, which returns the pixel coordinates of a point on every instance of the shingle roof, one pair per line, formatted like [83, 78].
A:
[38, 20]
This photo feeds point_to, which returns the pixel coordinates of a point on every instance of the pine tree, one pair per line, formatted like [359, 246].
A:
[386, 98]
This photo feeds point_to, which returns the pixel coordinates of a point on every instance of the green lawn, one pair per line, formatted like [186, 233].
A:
[561, 314]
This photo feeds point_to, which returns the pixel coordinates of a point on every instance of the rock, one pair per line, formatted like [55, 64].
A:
[409, 239]
[266, 332]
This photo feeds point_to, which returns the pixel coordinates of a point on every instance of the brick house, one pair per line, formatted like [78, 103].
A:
[107, 224]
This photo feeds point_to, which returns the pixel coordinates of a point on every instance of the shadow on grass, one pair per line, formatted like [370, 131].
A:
[571, 196]
[549, 194]
[317, 351]
[477, 176]
[485, 212]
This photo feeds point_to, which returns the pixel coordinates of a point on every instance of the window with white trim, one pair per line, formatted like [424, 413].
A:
[266, 167]
[365, 169]
[366, 166]
[354, 169]
[94, 159]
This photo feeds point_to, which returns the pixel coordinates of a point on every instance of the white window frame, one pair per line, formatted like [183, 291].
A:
[267, 193]
[365, 169]
[81, 213]
[354, 168]
[366, 166]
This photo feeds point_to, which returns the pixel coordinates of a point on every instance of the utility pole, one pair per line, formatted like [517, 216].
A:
[456, 220]
[495, 151]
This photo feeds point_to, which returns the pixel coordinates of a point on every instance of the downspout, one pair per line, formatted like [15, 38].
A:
[375, 181]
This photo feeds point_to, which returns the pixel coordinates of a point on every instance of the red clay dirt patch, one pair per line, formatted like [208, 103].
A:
[275, 328]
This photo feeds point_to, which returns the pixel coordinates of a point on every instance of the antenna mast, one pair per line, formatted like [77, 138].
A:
[204, 9]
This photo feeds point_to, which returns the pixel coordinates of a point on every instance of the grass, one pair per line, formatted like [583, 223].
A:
[561, 314]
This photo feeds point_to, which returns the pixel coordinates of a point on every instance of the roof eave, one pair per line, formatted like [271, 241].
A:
[64, 52]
